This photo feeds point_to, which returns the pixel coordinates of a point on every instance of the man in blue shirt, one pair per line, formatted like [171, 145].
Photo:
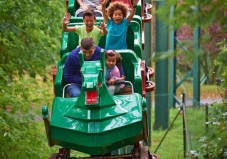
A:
[72, 67]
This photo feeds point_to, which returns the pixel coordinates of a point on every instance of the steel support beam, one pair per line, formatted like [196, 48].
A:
[161, 72]
[172, 63]
[196, 65]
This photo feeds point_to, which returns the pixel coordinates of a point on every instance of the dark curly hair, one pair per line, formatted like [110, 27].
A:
[115, 6]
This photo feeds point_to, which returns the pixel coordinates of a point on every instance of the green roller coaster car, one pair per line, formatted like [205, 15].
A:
[96, 123]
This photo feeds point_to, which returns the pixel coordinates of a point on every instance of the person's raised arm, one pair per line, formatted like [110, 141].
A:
[99, 7]
[105, 17]
[82, 5]
[65, 21]
[102, 28]
[133, 11]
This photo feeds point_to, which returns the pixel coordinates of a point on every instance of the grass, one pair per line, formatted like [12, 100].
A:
[196, 126]
[172, 146]
[173, 141]
[206, 91]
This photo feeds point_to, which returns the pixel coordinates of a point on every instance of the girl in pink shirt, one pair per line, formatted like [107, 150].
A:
[113, 73]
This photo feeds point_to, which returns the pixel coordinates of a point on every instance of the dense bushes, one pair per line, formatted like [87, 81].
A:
[214, 143]
[29, 43]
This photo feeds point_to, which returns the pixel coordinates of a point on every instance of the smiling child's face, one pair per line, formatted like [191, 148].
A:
[110, 61]
[118, 16]
[89, 22]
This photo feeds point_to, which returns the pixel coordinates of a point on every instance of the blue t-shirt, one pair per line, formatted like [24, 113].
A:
[117, 33]
[72, 67]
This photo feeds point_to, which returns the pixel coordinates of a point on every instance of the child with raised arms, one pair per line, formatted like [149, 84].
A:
[117, 23]
[86, 30]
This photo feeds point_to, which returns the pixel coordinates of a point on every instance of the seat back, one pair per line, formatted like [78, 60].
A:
[59, 82]
[131, 65]
[72, 7]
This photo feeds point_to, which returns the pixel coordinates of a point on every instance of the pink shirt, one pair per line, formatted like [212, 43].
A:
[115, 73]
[128, 2]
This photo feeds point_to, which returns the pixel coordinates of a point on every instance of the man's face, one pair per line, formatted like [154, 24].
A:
[88, 53]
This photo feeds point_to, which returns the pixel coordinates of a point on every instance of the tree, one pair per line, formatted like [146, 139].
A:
[211, 19]
[30, 33]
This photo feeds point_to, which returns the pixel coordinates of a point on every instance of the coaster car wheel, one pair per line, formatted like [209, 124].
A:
[150, 86]
[147, 18]
[145, 153]
[62, 154]
[148, 7]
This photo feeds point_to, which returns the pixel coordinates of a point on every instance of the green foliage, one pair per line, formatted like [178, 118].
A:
[206, 15]
[20, 133]
[222, 61]
[215, 141]
[30, 33]
[191, 12]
